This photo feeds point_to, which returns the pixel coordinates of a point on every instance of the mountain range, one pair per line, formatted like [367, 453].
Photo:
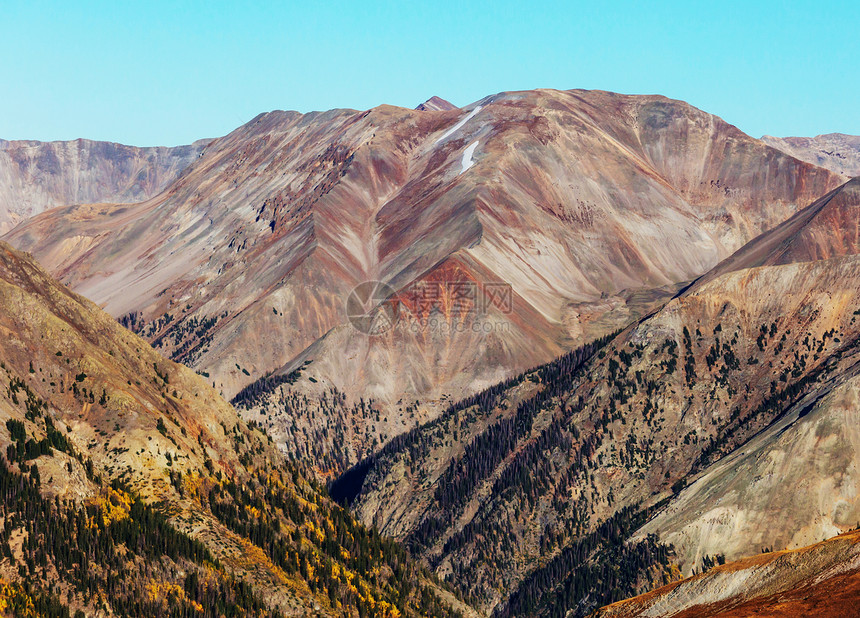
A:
[550, 350]
[587, 208]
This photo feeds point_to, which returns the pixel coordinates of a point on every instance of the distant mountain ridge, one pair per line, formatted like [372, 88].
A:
[36, 176]
[835, 151]
[671, 383]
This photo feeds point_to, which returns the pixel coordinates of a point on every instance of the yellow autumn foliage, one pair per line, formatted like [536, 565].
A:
[159, 591]
[388, 610]
[314, 531]
[13, 593]
[4, 595]
[115, 505]
[193, 483]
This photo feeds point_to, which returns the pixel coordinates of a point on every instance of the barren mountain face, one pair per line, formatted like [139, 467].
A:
[586, 209]
[36, 176]
[835, 151]
[726, 418]
[819, 580]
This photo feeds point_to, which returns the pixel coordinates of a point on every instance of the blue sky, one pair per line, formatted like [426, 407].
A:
[165, 73]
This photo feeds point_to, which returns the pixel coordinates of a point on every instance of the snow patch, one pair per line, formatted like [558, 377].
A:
[457, 126]
[467, 161]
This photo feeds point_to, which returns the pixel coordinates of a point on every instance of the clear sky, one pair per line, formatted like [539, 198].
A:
[166, 73]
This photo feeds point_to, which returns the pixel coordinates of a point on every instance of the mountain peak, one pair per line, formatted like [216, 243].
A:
[436, 104]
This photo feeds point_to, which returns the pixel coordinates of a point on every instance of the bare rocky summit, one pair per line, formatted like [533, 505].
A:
[436, 104]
